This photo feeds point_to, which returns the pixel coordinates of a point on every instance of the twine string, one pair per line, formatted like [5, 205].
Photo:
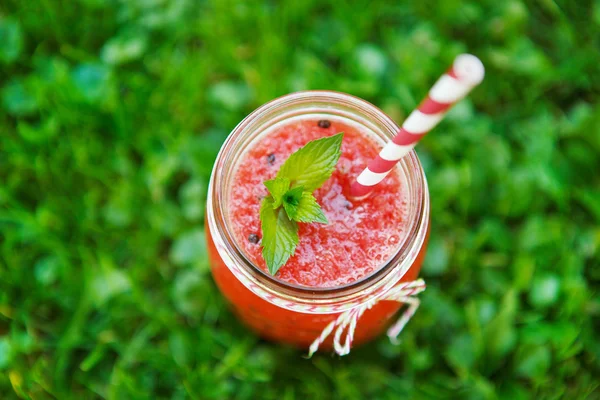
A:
[346, 322]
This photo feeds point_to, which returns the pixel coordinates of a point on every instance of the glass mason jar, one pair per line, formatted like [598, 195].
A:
[294, 314]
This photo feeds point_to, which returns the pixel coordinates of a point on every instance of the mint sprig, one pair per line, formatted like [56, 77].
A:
[291, 200]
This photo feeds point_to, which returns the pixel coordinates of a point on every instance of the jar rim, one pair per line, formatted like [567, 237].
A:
[279, 291]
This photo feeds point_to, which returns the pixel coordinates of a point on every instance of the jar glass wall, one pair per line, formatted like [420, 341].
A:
[294, 314]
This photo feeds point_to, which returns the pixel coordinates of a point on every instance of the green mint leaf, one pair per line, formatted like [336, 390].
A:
[277, 187]
[308, 210]
[280, 235]
[314, 163]
[291, 200]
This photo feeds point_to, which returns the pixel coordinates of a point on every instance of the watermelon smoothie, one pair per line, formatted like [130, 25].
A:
[360, 235]
[368, 245]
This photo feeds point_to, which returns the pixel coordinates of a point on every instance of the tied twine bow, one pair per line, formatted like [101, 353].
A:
[403, 293]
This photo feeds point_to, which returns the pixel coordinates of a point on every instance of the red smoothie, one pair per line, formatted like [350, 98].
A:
[360, 235]
[360, 239]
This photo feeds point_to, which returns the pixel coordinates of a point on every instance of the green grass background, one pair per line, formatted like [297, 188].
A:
[111, 114]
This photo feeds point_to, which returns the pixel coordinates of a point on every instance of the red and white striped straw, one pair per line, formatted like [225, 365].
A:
[465, 73]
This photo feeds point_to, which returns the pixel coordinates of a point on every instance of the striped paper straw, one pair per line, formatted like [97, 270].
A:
[465, 73]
